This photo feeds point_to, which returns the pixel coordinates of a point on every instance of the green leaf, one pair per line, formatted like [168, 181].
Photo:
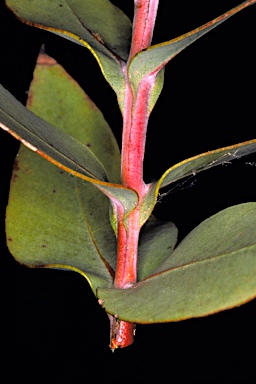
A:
[213, 270]
[157, 241]
[58, 97]
[152, 59]
[54, 220]
[95, 24]
[229, 230]
[62, 149]
[206, 161]
[157, 89]
[44, 138]
[194, 165]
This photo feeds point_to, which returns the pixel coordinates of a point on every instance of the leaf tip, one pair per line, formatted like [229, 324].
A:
[44, 59]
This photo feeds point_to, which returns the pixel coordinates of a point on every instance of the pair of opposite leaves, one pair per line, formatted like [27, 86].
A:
[70, 156]
[74, 232]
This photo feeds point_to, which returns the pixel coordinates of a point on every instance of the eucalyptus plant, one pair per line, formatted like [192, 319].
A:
[77, 204]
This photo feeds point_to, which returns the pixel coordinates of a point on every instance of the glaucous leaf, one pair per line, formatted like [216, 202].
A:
[42, 137]
[206, 161]
[55, 95]
[236, 230]
[213, 270]
[95, 24]
[151, 60]
[192, 166]
[157, 241]
[62, 149]
[54, 220]
[157, 89]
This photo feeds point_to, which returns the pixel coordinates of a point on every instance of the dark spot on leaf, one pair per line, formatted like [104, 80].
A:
[9, 239]
[88, 145]
[14, 177]
[16, 165]
[43, 246]
[54, 190]
[61, 5]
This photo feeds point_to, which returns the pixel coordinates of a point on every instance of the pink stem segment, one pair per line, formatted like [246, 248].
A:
[135, 121]
[143, 24]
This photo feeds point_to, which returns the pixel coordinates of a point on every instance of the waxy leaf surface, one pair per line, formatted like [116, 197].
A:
[152, 59]
[206, 161]
[213, 269]
[157, 241]
[62, 149]
[192, 166]
[95, 24]
[57, 96]
[54, 219]
[41, 136]
[236, 230]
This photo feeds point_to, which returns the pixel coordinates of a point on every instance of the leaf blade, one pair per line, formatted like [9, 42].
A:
[59, 148]
[54, 220]
[197, 288]
[194, 165]
[97, 25]
[37, 134]
[238, 230]
[206, 161]
[54, 94]
[46, 227]
[154, 58]
[154, 310]
[157, 242]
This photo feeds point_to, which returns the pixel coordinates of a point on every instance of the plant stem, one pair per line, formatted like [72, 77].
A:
[143, 24]
[135, 121]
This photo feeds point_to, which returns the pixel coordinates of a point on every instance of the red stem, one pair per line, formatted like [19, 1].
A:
[126, 268]
[135, 121]
[143, 24]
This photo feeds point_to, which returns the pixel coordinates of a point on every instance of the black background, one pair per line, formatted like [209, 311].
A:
[51, 327]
